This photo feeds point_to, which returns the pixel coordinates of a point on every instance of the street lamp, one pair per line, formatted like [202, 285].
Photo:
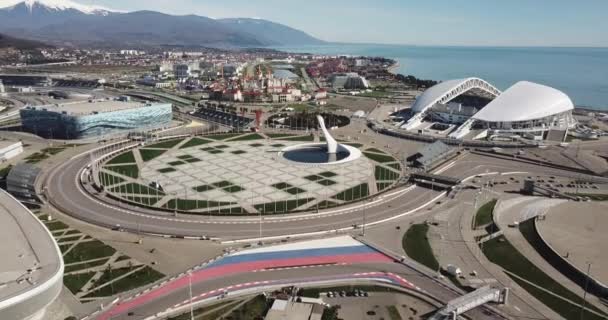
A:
[190, 289]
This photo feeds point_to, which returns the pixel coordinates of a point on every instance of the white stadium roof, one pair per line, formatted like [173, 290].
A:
[525, 101]
[445, 91]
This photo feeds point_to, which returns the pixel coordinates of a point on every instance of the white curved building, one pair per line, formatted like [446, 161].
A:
[526, 109]
[31, 271]
[444, 92]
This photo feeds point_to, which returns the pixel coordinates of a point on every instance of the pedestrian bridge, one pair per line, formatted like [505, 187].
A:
[469, 301]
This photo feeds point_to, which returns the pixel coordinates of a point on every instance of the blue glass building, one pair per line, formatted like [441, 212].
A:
[93, 118]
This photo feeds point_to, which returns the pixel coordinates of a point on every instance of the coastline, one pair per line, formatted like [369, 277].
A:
[581, 73]
[393, 68]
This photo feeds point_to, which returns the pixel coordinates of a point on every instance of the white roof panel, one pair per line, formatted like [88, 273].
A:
[525, 101]
[430, 96]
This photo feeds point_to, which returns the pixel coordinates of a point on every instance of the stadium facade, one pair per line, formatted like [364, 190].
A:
[89, 119]
[32, 272]
[474, 109]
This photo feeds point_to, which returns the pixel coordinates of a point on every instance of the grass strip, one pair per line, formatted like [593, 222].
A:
[416, 245]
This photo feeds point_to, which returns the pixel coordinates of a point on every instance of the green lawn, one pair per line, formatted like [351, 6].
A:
[87, 251]
[281, 206]
[383, 185]
[393, 313]
[147, 201]
[149, 154]
[4, 171]
[166, 170]
[502, 253]
[253, 136]
[375, 150]
[68, 239]
[254, 309]
[354, 193]
[219, 137]
[379, 157]
[109, 179]
[203, 188]
[300, 138]
[36, 157]
[165, 144]
[395, 166]
[279, 135]
[383, 174]
[186, 205]
[129, 170]
[85, 265]
[53, 150]
[136, 188]
[328, 174]
[194, 142]
[122, 158]
[56, 225]
[416, 246]
[484, 214]
[326, 204]
[137, 279]
[77, 281]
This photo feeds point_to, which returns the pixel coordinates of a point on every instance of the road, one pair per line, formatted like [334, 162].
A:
[219, 283]
[65, 193]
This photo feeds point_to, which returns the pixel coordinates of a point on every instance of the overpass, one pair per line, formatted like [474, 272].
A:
[469, 301]
[435, 181]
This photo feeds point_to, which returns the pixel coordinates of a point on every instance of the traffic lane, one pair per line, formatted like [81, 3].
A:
[182, 294]
[291, 276]
[472, 164]
[65, 193]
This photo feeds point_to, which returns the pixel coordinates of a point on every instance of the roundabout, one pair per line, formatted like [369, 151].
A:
[243, 174]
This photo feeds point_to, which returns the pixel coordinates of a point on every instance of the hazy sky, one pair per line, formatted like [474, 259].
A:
[435, 22]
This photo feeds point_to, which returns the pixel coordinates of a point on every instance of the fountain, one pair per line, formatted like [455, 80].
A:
[330, 152]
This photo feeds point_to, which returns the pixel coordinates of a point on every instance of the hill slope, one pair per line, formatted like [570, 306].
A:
[64, 21]
[271, 31]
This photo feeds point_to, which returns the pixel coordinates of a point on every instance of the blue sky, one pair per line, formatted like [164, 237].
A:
[432, 22]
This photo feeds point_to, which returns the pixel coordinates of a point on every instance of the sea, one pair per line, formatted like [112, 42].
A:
[581, 73]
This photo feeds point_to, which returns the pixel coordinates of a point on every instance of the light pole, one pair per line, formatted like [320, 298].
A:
[586, 288]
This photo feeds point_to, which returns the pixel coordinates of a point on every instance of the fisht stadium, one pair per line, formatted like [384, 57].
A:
[473, 109]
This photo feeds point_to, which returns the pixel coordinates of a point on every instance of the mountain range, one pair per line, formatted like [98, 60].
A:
[64, 22]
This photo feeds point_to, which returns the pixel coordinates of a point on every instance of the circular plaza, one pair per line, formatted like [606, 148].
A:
[242, 174]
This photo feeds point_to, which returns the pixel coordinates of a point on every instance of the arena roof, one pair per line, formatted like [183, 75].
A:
[525, 101]
[32, 260]
[84, 107]
[447, 90]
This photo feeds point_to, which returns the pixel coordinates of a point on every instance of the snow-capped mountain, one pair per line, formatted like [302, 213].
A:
[67, 22]
[53, 6]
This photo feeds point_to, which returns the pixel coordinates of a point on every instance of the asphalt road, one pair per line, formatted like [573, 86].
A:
[285, 277]
[65, 192]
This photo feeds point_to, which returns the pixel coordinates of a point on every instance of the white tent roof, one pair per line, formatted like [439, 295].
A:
[430, 96]
[525, 101]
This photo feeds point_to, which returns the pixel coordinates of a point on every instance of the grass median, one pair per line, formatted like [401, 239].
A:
[484, 214]
[501, 252]
[416, 245]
